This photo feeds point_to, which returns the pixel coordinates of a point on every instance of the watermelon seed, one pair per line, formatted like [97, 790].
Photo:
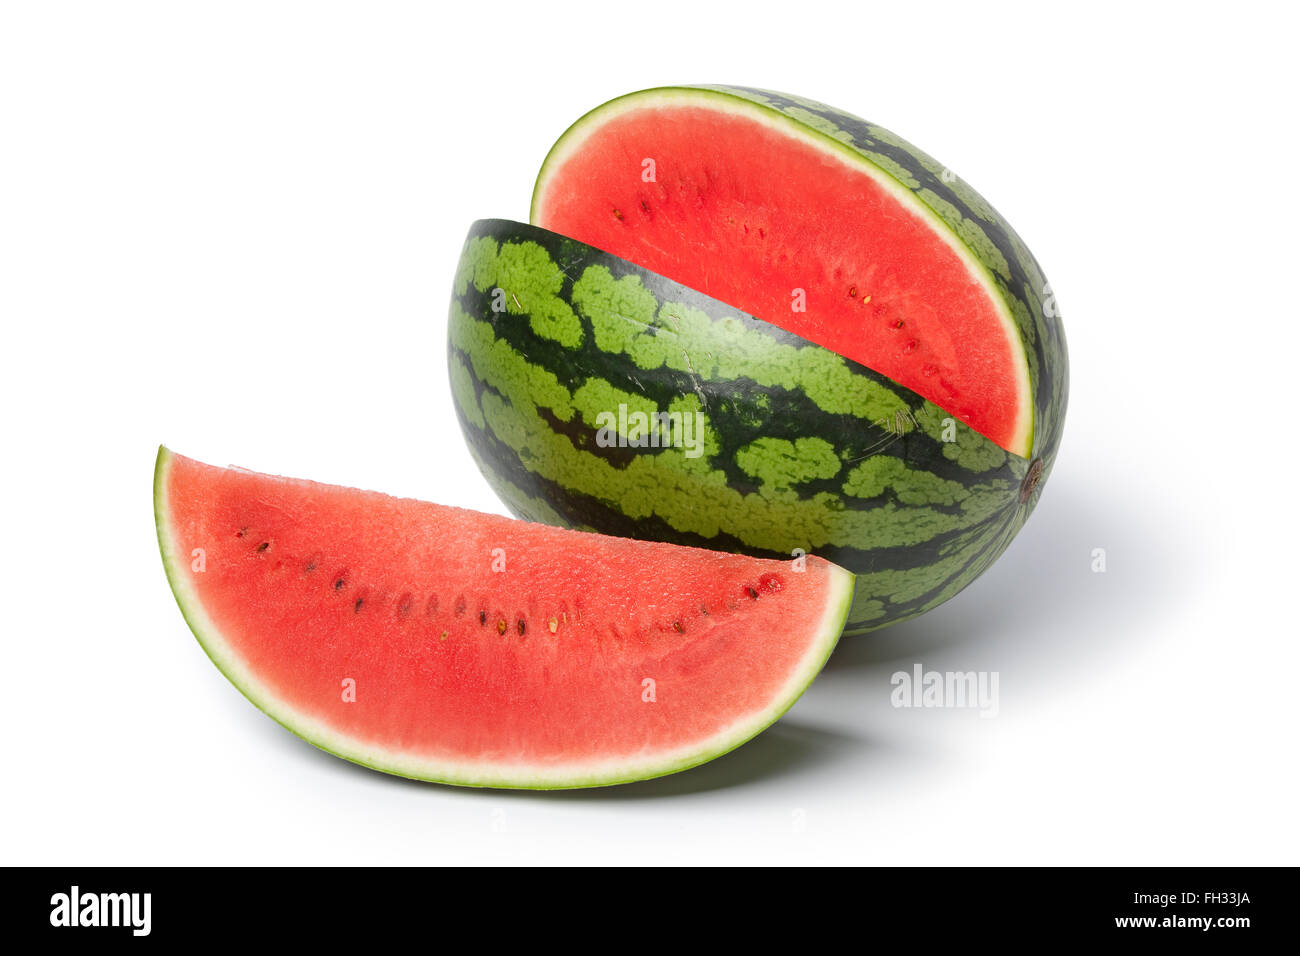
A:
[645, 207]
[677, 626]
[751, 592]
[501, 625]
[853, 292]
[263, 546]
[522, 627]
[898, 324]
[482, 617]
[553, 624]
[618, 215]
[704, 609]
[444, 635]
[338, 583]
[356, 608]
[866, 299]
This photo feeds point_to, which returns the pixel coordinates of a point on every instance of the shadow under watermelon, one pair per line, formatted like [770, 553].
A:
[1042, 610]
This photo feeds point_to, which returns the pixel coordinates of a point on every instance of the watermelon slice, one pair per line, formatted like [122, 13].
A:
[810, 219]
[465, 648]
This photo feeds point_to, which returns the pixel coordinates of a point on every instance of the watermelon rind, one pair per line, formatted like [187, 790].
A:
[992, 249]
[806, 448]
[471, 773]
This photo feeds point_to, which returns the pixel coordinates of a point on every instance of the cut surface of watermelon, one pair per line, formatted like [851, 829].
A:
[466, 648]
[786, 222]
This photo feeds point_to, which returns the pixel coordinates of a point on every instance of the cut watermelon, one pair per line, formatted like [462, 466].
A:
[812, 220]
[465, 648]
[789, 446]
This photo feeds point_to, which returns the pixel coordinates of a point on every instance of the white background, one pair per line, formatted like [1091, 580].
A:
[232, 228]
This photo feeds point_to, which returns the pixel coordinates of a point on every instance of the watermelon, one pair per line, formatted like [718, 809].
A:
[762, 442]
[464, 648]
[872, 355]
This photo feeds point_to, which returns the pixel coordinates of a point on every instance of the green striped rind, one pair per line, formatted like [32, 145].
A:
[1009, 266]
[824, 634]
[803, 449]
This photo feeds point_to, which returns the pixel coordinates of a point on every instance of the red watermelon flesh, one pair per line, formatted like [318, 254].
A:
[749, 210]
[467, 648]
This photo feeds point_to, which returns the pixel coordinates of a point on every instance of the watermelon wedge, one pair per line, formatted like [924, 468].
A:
[827, 226]
[464, 648]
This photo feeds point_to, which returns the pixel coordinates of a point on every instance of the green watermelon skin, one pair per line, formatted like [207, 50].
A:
[803, 450]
